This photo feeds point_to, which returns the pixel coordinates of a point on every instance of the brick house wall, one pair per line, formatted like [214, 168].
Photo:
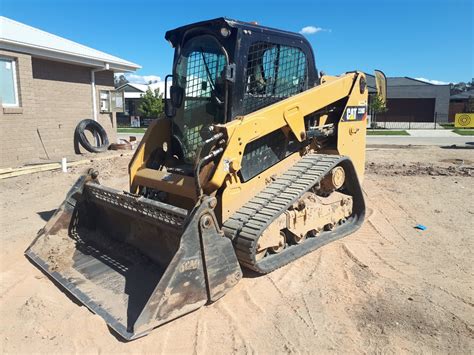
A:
[53, 98]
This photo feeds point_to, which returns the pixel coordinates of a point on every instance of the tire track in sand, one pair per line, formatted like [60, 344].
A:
[236, 330]
[290, 303]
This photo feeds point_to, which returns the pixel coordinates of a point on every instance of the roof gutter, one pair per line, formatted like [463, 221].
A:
[67, 57]
[93, 88]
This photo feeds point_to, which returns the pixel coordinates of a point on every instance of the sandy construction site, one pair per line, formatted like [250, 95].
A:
[387, 288]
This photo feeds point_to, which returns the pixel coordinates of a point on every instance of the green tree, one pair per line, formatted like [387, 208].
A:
[151, 104]
[377, 105]
[120, 80]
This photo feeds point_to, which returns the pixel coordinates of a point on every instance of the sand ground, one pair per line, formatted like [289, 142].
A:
[388, 288]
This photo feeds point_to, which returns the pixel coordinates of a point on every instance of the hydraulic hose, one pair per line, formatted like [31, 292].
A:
[213, 154]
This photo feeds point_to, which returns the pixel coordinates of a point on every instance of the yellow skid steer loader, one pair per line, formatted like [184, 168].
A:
[257, 162]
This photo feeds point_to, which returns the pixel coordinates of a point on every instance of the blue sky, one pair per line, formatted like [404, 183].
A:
[430, 39]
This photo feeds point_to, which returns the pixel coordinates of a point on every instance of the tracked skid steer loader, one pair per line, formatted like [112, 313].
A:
[257, 162]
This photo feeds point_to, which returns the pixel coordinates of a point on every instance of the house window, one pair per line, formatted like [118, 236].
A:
[8, 82]
[111, 101]
[104, 101]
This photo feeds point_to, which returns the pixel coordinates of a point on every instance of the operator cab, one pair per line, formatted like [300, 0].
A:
[223, 69]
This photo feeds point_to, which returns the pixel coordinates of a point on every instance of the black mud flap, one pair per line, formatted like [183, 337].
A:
[137, 263]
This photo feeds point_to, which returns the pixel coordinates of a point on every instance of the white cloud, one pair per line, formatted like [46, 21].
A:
[435, 82]
[310, 30]
[142, 79]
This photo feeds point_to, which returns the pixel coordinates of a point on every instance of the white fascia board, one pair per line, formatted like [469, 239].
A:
[68, 57]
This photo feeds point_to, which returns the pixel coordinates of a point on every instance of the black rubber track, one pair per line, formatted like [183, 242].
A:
[97, 130]
[249, 222]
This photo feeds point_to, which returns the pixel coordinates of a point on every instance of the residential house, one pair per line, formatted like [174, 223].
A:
[132, 94]
[48, 85]
[411, 101]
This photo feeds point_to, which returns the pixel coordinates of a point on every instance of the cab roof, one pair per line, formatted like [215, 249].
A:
[175, 36]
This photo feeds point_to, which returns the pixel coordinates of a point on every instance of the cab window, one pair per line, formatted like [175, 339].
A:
[274, 72]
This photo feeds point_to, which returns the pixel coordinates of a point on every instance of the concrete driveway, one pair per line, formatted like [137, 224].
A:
[431, 133]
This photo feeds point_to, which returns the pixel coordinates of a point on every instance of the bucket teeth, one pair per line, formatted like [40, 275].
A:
[146, 208]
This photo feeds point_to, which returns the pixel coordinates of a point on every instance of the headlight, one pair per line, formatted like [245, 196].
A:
[225, 32]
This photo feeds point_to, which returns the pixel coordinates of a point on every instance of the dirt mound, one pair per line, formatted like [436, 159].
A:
[419, 169]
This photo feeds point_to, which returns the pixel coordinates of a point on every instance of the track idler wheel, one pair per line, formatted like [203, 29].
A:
[334, 180]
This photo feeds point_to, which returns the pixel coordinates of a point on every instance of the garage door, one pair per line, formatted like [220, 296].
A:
[408, 110]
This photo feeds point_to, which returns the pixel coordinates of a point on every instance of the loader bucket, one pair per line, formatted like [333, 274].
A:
[136, 262]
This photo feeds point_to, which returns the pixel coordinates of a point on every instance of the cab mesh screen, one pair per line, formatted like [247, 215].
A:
[204, 71]
[274, 72]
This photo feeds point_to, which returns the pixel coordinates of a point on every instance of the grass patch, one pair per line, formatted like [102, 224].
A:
[464, 131]
[387, 133]
[447, 125]
[130, 130]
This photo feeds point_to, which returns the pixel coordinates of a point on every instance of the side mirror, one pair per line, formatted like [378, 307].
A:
[170, 110]
[176, 94]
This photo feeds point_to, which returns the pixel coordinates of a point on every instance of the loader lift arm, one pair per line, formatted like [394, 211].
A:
[290, 112]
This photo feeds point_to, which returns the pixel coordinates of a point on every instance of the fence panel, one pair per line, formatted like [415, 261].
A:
[408, 122]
